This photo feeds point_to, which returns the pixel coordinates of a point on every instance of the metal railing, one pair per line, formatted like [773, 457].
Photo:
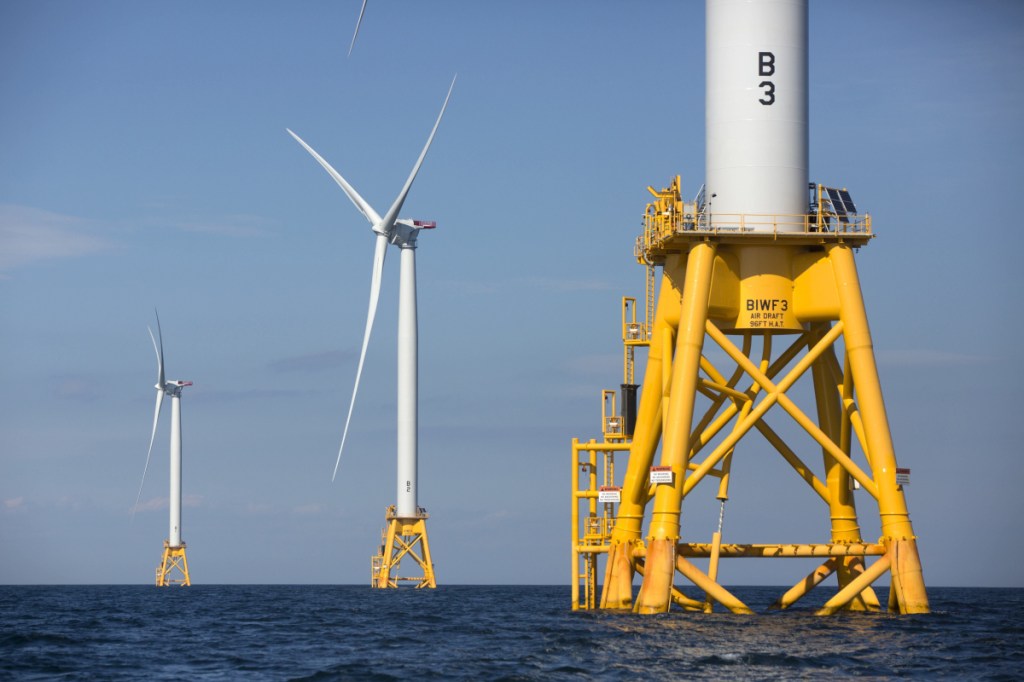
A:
[659, 227]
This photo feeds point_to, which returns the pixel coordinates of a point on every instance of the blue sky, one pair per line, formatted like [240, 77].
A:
[144, 163]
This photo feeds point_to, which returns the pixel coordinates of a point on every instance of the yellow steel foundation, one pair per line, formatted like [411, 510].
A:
[173, 568]
[402, 537]
[783, 304]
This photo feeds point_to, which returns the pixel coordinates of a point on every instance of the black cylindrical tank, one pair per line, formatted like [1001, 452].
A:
[629, 409]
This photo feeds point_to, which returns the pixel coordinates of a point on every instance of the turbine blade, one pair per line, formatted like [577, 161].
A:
[380, 251]
[359, 22]
[160, 381]
[156, 418]
[349, 190]
[392, 215]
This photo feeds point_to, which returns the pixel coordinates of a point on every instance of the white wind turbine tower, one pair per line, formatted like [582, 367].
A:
[406, 521]
[174, 548]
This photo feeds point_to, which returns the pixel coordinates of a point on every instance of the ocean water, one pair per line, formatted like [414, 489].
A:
[321, 632]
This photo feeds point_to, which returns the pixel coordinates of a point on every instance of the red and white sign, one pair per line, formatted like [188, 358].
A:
[902, 476]
[661, 474]
[609, 493]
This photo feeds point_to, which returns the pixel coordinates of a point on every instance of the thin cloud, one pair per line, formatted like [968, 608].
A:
[14, 503]
[547, 284]
[567, 285]
[488, 520]
[158, 503]
[210, 396]
[153, 504]
[595, 365]
[467, 286]
[29, 235]
[309, 509]
[75, 387]
[589, 391]
[239, 225]
[312, 362]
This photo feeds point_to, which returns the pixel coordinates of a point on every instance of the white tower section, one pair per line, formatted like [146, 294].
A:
[408, 383]
[174, 536]
[756, 113]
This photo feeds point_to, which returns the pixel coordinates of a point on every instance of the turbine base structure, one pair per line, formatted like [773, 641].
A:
[402, 537]
[173, 568]
[745, 323]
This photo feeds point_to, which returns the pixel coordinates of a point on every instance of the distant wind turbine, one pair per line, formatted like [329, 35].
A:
[174, 548]
[402, 233]
[390, 228]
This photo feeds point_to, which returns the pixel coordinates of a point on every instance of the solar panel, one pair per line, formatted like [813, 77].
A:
[837, 203]
[847, 201]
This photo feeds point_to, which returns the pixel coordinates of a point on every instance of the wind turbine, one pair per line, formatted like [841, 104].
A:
[405, 520]
[174, 548]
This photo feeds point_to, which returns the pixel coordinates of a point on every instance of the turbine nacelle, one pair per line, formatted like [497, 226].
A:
[173, 387]
[406, 230]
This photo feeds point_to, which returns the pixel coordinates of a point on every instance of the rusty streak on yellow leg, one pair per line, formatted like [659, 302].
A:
[654, 594]
[618, 581]
[897, 532]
